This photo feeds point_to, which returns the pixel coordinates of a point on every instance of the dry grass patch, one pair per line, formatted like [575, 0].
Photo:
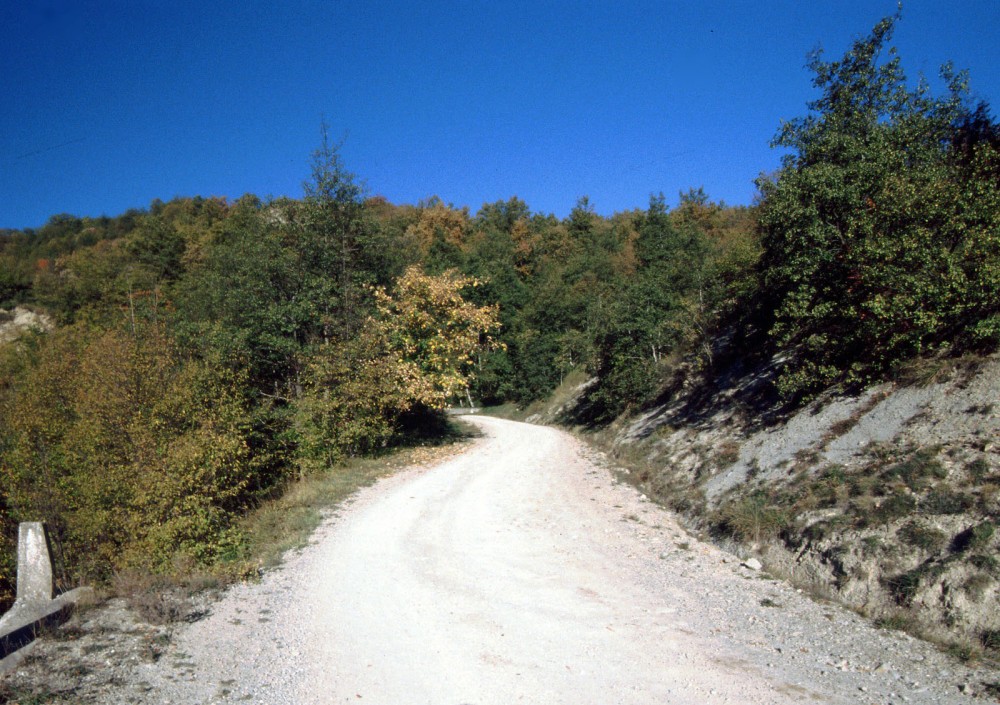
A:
[288, 521]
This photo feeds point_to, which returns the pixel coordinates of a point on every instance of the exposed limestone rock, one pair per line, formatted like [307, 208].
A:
[14, 323]
[875, 497]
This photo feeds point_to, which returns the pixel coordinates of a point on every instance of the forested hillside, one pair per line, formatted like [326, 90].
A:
[208, 352]
[206, 355]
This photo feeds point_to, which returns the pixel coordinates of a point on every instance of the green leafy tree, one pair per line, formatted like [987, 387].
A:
[332, 240]
[881, 232]
[500, 257]
[15, 279]
[158, 246]
[647, 318]
[246, 303]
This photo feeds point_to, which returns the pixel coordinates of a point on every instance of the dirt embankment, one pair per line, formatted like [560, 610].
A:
[887, 500]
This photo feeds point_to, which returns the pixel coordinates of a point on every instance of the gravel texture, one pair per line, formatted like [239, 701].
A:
[522, 571]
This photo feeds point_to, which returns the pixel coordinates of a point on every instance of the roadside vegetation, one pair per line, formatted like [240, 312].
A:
[212, 357]
[209, 359]
[880, 241]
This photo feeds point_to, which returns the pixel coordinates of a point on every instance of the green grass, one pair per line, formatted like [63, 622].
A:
[967, 653]
[871, 545]
[917, 469]
[991, 639]
[986, 562]
[889, 509]
[726, 454]
[946, 501]
[923, 537]
[905, 586]
[751, 518]
[896, 621]
[974, 538]
[978, 469]
[17, 697]
[976, 586]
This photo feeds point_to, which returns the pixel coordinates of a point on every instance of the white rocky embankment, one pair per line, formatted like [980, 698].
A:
[915, 565]
[15, 322]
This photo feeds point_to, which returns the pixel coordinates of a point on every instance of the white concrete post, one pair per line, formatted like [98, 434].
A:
[34, 564]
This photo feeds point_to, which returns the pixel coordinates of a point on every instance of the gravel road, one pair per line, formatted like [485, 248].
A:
[521, 571]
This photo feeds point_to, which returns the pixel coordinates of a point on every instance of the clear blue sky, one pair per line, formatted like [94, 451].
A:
[108, 105]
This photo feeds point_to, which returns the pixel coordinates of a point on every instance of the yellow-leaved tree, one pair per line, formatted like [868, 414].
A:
[431, 327]
[412, 356]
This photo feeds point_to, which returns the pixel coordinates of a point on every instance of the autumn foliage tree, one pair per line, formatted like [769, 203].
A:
[415, 354]
[433, 328]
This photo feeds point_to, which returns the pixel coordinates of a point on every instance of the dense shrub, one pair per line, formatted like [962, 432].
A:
[130, 452]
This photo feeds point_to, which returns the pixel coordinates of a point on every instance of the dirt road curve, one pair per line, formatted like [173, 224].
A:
[521, 572]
